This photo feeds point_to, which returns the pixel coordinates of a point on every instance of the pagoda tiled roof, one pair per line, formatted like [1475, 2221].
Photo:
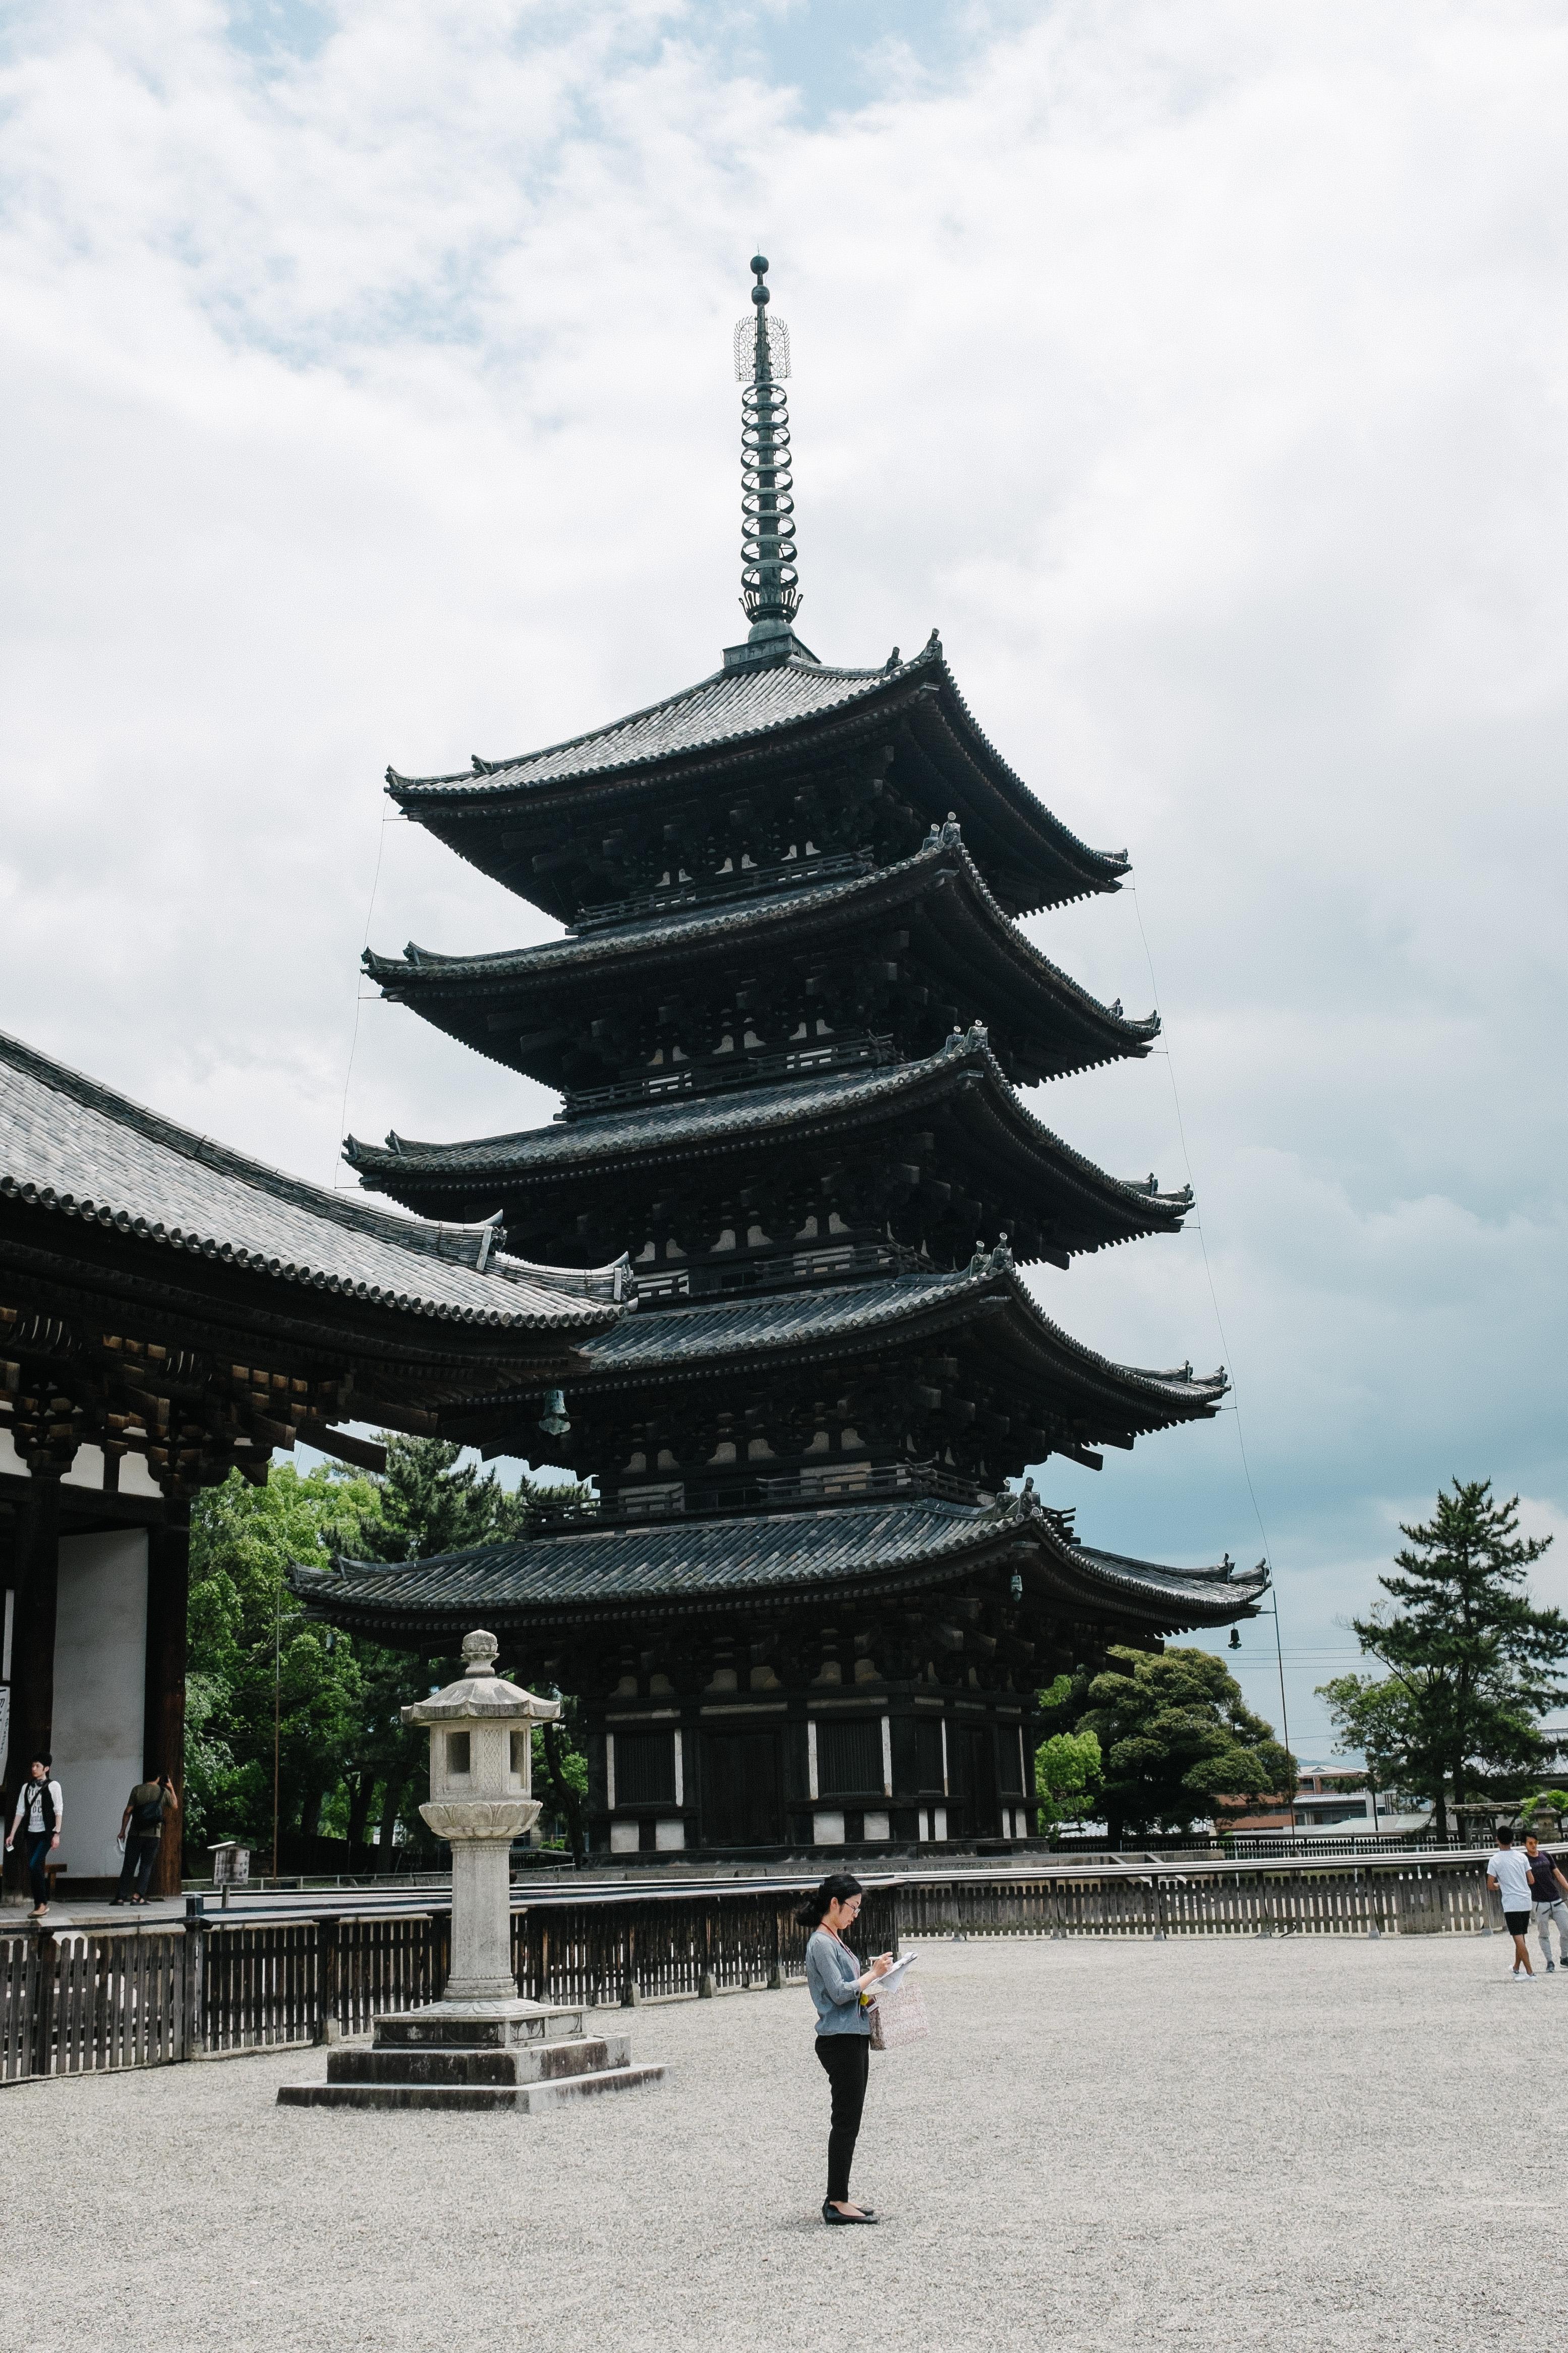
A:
[793, 708]
[726, 707]
[74, 1148]
[798, 1111]
[713, 1338]
[661, 1568]
[448, 989]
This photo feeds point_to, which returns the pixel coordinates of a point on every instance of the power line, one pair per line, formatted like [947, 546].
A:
[359, 996]
[1219, 1324]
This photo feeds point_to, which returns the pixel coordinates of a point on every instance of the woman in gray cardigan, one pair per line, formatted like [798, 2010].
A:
[837, 1985]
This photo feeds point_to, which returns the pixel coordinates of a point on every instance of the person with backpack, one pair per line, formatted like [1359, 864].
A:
[40, 1799]
[140, 1835]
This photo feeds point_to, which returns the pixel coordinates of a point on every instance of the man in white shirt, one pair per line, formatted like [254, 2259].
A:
[1508, 1875]
[41, 1800]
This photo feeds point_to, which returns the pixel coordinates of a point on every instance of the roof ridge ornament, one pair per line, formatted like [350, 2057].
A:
[770, 587]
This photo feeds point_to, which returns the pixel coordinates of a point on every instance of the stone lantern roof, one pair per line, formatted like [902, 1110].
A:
[480, 1691]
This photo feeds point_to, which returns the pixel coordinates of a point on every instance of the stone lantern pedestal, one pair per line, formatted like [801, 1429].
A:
[482, 2045]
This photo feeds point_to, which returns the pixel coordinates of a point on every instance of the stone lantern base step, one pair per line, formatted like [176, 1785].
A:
[428, 2059]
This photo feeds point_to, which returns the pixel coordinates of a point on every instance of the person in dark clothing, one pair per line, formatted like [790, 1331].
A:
[42, 1804]
[1549, 1888]
[141, 1836]
[837, 1986]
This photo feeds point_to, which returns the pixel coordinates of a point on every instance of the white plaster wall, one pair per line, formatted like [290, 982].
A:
[100, 1649]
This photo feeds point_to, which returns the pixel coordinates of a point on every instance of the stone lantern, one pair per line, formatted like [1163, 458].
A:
[482, 2045]
[482, 1779]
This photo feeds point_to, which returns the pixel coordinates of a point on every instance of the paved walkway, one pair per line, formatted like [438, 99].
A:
[1296, 2144]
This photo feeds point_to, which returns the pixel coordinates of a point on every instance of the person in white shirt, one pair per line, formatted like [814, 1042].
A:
[41, 1802]
[1508, 1875]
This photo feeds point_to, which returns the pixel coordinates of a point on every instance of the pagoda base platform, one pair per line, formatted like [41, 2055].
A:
[527, 2058]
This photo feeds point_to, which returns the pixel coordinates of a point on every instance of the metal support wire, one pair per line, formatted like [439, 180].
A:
[1224, 1343]
[359, 997]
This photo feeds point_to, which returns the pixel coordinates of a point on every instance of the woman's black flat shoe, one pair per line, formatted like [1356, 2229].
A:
[830, 2213]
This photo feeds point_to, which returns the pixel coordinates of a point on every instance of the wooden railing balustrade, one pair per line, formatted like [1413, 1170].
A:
[82, 2001]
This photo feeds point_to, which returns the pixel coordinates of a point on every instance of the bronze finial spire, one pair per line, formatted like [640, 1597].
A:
[770, 589]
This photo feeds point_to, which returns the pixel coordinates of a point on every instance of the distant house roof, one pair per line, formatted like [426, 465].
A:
[619, 1574]
[1090, 1208]
[751, 718]
[74, 1148]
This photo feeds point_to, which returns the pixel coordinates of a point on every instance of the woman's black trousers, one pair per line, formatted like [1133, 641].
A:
[846, 2058]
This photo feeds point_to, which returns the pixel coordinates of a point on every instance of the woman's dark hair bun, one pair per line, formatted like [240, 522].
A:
[837, 1888]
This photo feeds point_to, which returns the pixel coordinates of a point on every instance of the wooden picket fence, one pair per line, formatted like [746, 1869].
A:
[88, 2000]
[1406, 1899]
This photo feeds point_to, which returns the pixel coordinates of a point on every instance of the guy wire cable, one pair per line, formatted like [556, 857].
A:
[1224, 1343]
[397, 819]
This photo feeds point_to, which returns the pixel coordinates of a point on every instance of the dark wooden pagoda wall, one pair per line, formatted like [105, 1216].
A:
[957, 1745]
[846, 803]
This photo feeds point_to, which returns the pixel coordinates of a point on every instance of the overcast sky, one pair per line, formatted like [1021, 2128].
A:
[1200, 369]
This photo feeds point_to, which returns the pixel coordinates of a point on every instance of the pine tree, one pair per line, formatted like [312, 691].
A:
[1473, 1664]
[1177, 1740]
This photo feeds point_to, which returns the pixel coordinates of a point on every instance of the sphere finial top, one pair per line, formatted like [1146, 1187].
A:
[480, 1650]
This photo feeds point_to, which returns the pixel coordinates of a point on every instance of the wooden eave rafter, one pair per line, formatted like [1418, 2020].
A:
[970, 948]
[1058, 1580]
[1088, 1399]
[1038, 861]
[989, 1141]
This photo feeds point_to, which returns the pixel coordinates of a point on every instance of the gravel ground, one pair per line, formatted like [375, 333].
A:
[1306, 2143]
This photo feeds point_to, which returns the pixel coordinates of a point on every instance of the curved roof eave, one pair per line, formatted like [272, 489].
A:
[780, 704]
[790, 1559]
[840, 1322]
[420, 971]
[805, 1109]
[74, 1148]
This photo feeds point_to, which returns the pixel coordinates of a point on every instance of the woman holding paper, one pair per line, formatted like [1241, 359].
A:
[838, 1986]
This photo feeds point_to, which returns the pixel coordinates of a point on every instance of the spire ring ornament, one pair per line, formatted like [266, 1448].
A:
[769, 585]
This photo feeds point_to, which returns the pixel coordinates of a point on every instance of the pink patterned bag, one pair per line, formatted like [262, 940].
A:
[898, 2016]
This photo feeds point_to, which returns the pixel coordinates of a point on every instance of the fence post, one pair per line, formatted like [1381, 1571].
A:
[46, 1959]
[775, 1974]
[329, 2026]
[193, 1976]
[631, 1993]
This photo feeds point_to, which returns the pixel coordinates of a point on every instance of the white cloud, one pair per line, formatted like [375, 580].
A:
[1202, 373]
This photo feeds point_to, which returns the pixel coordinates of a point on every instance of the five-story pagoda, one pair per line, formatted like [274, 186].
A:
[787, 1017]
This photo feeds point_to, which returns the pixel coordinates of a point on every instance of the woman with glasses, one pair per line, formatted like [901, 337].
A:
[839, 1986]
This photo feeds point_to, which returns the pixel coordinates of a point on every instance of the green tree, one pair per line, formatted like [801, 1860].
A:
[1068, 1775]
[345, 1757]
[1178, 1743]
[1472, 1665]
[431, 1501]
[1380, 1718]
[251, 1644]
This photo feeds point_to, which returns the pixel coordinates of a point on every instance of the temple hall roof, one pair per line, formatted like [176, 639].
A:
[73, 1148]
[659, 1569]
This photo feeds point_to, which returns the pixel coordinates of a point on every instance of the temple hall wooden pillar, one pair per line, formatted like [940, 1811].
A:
[38, 1573]
[163, 1707]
